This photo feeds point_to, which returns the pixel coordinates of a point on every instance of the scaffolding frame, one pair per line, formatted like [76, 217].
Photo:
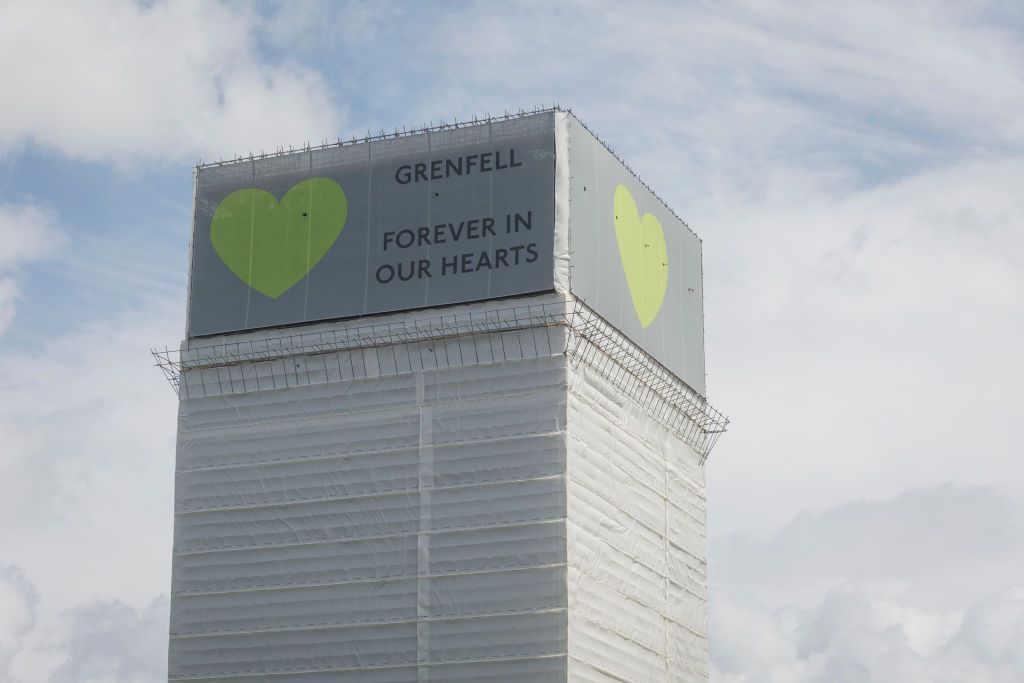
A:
[569, 328]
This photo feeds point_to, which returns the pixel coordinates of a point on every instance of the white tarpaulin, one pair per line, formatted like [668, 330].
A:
[514, 520]
[390, 523]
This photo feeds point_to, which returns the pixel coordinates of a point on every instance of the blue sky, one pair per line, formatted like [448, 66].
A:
[854, 169]
[129, 231]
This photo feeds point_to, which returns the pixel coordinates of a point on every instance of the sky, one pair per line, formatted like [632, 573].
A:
[856, 173]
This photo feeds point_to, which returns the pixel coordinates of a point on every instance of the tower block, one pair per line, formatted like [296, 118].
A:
[442, 416]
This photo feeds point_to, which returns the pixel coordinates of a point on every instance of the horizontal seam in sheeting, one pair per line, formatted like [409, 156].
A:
[665, 463]
[599, 669]
[517, 656]
[282, 544]
[632, 557]
[665, 536]
[369, 494]
[613, 416]
[633, 517]
[371, 579]
[703, 498]
[653, 608]
[602, 496]
[410, 406]
[413, 446]
[328, 625]
[605, 627]
[689, 554]
[400, 665]
[579, 440]
[622, 552]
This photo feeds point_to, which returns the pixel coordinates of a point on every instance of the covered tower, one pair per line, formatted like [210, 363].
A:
[442, 416]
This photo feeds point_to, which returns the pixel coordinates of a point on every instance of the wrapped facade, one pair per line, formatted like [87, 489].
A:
[501, 490]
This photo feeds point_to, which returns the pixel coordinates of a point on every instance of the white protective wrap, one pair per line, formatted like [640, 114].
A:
[398, 527]
[636, 542]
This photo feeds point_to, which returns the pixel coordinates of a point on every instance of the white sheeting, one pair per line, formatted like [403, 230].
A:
[410, 524]
[489, 521]
[636, 542]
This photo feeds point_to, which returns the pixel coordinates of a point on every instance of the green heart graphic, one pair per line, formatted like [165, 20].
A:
[644, 255]
[272, 246]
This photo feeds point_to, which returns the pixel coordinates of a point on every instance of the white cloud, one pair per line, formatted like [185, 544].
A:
[696, 95]
[87, 426]
[920, 544]
[923, 587]
[96, 642]
[90, 427]
[853, 636]
[112, 641]
[9, 295]
[27, 233]
[846, 329]
[123, 82]
[854, 169]
[992, 637]
[18, 607]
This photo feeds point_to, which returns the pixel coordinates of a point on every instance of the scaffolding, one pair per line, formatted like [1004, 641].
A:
[451, 340]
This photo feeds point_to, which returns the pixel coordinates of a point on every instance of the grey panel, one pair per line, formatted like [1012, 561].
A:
[507, 459]
[473, 262]
[314, 522]
[298, 480]
[494, 418]
[253, 653]
[497, 548]
[303, 607]
[304, 402]
[297, 565]
[547, 670]
[675, 335]
[299, 439]
[522, 590]
[539, 633]
[493, 504]
[391, 674]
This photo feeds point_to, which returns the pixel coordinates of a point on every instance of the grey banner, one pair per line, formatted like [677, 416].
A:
[633, 260]
[444, 217]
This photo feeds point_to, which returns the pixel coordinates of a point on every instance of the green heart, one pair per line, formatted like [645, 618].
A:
[644, 255]
[272, 246]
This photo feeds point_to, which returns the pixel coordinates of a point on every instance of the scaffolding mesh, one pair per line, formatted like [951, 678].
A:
[448, 340]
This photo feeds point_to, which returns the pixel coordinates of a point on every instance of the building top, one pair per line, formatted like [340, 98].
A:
[503, 207]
